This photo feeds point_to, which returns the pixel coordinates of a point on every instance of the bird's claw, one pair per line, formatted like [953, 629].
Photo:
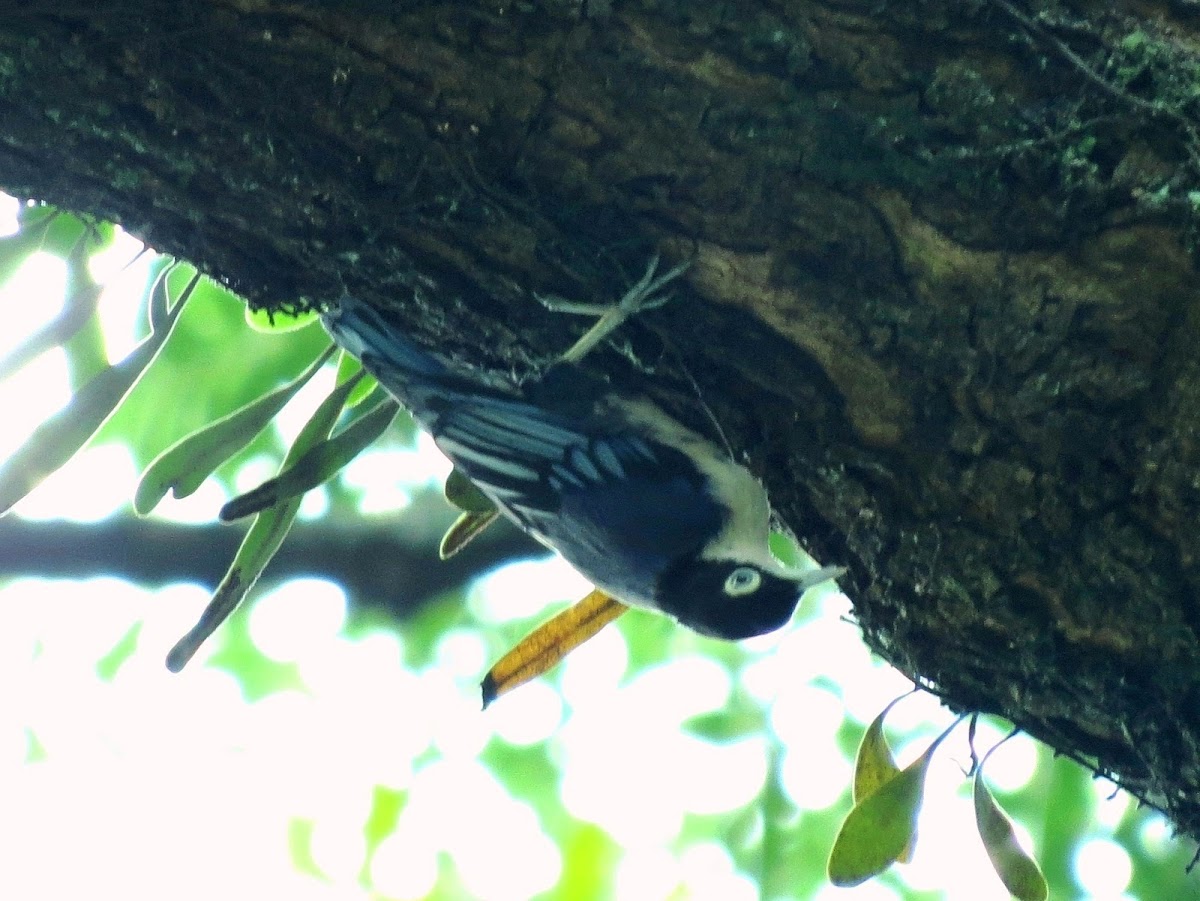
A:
[645, 294]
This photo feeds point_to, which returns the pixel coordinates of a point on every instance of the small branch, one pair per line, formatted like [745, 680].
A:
[390, 563]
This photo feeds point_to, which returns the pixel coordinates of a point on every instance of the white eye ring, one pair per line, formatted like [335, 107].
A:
[743, 580]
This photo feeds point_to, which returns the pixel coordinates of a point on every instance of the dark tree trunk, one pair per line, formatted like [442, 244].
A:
[943, 295]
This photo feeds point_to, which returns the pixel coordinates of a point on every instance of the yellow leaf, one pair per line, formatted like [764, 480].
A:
[549, 643]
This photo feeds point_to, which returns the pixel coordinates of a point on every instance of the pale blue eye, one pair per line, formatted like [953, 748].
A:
[743, 580]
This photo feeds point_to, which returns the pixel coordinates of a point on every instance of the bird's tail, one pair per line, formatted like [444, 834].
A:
[366, 332]
[410, 373]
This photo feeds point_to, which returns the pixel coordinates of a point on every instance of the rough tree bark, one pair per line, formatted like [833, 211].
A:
[943, 297]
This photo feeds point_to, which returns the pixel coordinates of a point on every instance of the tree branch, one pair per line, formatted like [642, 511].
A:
[392, 565]
[942, 295]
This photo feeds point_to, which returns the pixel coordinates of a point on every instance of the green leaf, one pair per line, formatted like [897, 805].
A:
[41, 228]
[79, 307]
[874, 767]
[317, 465]
[878, 829]
[223, 365]
[463, 531]
[876, 832]
[463, 494]
[263, 538]
[1017, 869]
[184, 466]
[61, 436]
[348, 367]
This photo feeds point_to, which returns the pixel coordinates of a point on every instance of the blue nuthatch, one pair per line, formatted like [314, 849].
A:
[643, 507]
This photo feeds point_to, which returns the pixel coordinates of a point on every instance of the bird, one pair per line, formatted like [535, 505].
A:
[645, 508]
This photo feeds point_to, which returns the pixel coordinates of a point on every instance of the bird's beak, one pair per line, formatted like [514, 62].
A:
[807, 578]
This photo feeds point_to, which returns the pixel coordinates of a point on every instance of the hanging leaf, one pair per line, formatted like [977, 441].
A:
[878, 830]
[874, 767]
[79, 307]
[538, 651]
[463, 531]
[184, 466]
[31, 236]
[478, 513]
[317, 465]
[61, 436]
[264, 536]
[348, 367]
[463, 494]
[1017, 869]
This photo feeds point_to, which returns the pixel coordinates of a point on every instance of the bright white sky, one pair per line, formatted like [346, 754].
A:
[152, 785]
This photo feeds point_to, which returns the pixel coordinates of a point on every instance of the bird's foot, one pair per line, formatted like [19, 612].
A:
[646, 294]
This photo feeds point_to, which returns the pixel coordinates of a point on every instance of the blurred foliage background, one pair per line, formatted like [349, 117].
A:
[327, 742]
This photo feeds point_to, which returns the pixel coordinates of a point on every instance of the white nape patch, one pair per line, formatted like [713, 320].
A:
[747, 532]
